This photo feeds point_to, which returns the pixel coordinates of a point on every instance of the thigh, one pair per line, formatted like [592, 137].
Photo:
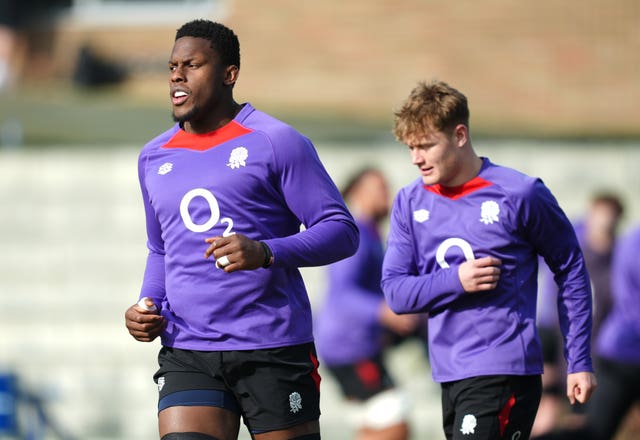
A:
[298, 431]
[495, 407]
[219, 423]
[277, 389]
[192, 398]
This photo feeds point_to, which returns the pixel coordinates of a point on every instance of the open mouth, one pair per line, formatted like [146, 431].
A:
[179, 97]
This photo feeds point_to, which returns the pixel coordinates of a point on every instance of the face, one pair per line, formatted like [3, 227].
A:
[200, 86]
[373, 195]
[603, 218]
[438, 156]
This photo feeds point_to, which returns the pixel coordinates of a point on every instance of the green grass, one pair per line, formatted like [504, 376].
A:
[61, 115]
[74, 117]
[68, 117]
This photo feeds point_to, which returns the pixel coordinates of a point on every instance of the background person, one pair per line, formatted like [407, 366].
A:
[597, 234]
[225, 192]
[618, 352]
[355, 325]
[618, 345]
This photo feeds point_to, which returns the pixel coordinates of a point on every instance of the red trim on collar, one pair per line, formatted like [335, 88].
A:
[203, 142]
[456, 192]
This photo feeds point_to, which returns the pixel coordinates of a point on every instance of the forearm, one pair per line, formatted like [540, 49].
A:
[421, 293]
[321, 244]
[575, 314]
[153, 284]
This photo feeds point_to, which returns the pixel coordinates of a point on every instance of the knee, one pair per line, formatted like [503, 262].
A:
[188, 436]
[386, 409]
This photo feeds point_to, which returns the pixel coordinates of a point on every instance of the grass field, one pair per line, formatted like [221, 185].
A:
[59, 114]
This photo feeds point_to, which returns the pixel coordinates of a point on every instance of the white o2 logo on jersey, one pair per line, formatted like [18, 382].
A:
[448, 244]
[213, 206]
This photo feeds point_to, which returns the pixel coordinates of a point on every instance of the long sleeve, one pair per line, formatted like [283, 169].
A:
[619, 337]
[153, 282]
[330, 232]
[405, 290]
[554, 238]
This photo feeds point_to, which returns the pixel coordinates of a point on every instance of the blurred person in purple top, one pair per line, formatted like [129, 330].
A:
[354, 321]
[226, 191]
[596, 232]
[617, 350]
[463, 246]
[618, 344]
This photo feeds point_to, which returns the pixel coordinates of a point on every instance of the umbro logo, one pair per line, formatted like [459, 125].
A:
[165, 168]
[421, 215]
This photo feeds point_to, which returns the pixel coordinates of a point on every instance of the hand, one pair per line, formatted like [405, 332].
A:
[402, 325]
[580, 386]
[242, 252]
[479, 275]
[143, 325]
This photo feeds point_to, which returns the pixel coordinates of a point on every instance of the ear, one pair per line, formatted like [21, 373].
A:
[231, 75]
[461, 135]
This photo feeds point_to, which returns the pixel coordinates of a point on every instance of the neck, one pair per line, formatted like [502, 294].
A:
[469, 169]
[216, 119]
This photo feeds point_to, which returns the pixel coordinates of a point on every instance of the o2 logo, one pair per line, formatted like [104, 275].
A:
[453, 242]
[213, 207]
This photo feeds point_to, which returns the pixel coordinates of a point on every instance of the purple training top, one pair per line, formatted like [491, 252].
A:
[255, 176]
[348, 328]
[619, 337]
[501, 213]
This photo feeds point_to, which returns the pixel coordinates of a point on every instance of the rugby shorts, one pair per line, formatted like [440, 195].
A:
[362, 380]
[490, 407]
[272, 389]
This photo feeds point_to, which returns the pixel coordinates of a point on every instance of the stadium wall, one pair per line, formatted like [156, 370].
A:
[531, 69]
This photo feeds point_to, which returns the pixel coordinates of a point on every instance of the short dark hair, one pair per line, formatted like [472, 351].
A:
[605, 197]
[223, 40]
[356, 178]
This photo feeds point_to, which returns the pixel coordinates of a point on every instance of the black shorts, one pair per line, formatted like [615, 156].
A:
[272, 389]
[490, 407]
[362, 380]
